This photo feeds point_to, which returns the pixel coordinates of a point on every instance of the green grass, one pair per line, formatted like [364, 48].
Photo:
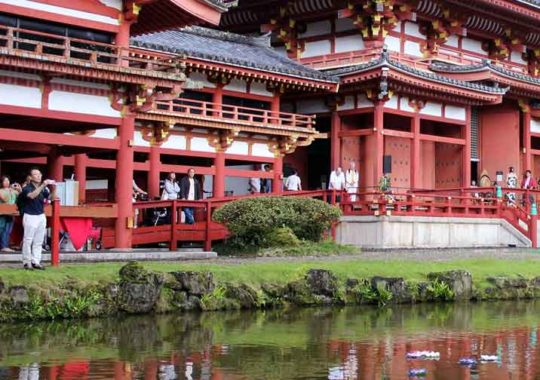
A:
[279, 272]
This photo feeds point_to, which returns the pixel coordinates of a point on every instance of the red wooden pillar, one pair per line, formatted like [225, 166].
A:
[277, 183]
[81, 162]
[219, 174]
[378, 125]
[335, 142]
[217, 99]
[154, 172]
[55, 166]
[527, 158]
[466, 156]
[124, 182]
[415, 153]
[275, 107]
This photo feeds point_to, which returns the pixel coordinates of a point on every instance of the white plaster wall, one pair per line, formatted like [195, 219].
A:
[81, 103]
[238, 185]
[198, 77]
[432, 108]
[535, 125]
[259, 89]
[175, 142]
[112, 3]
[318, 28]
[472, 45]
[404, 105]
[348, 103]
[393, 43]
[97, 184]
[22, 96]
[392, 103]
[413, 48]
[412, 29]
[261, 150]
[200, 144]
[139, 141]
[349, 43]
[316, 48]
[16, 74]
[344, 24]
[78, 83]
[427, 232]
[453, 41]
[363, 101]
[308, 106]
[454, 112]
[517, 58]
[106, 133]
[238, 147]
[237, 85]
[32, 5]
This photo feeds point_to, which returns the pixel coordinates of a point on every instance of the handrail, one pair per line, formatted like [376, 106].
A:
[249, 115]
[75, 50]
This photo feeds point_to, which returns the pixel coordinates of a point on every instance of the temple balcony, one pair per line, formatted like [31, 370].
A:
[198, 113]
[56, 54]
[336, 60]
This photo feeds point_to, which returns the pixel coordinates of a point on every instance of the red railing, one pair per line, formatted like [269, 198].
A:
[240, 115]
[78, 51]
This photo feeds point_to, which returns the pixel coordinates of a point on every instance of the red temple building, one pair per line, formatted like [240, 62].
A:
[112, 91]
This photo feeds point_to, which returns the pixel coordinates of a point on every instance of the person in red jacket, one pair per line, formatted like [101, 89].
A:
[528, 182]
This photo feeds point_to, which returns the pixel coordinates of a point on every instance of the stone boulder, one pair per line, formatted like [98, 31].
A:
[19, 295]
[2, 286]
[395, 285]
[139, 289]
[322, 282]
[194, 283]
[501, 282]
[459, 281]
[243, 294]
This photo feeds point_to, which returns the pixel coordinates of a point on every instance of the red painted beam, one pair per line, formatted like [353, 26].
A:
[391, 132]
[441, 139]
[59, 115]
[57, 139]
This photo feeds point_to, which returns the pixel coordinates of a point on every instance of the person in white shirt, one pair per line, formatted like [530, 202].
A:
[255, 184]
[170, 188]
[337, 182]
[351, 181]
[293, 182]
[190, 190]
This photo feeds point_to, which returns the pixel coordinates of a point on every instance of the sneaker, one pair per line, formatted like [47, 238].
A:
[27, 267]
[7, 250]
[38, 267]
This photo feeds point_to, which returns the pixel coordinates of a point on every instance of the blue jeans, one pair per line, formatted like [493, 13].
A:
[6, 232]
[188, 211]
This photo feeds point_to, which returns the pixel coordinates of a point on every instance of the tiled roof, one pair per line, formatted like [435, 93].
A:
[485, 65]
[229, 48]
[224, 4]
[385, 61]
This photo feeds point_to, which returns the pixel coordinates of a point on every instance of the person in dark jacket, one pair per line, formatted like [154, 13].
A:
[190, 190]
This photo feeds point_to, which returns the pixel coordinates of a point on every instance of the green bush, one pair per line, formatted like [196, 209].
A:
[251, 220]
[282, 237]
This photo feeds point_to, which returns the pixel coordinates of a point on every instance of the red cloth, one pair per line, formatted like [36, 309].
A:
[78, 230]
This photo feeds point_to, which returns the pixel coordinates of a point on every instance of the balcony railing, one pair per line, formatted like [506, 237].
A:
[239, 115]
[26, 43]
[337, 60]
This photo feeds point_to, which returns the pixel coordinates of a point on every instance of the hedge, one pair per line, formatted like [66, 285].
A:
[253, 219]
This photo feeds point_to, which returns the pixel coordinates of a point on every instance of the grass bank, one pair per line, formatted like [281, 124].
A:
[278, 271]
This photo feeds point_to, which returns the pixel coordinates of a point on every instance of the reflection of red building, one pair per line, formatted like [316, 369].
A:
[112, 91]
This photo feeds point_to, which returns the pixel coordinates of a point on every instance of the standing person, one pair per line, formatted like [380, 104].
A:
[337, 182]
[511, 183]
[35, 195]
[254, 185]
[351, 180]
[528, 181]
[293, 182]
[8, 195]
[170, 188]
[268, 181]
[190, 189]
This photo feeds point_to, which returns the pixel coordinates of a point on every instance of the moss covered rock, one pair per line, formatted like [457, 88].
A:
[139, 289]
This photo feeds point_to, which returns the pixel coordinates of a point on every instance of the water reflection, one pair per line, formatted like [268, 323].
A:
[347, 343]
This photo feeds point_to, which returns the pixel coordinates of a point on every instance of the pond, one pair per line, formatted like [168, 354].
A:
[334, 343]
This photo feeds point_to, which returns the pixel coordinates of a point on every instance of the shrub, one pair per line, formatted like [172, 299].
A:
[282, 237]
[252, 219]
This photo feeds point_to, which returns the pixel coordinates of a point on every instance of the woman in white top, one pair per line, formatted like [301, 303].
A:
[293, 182]
[171, 188]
